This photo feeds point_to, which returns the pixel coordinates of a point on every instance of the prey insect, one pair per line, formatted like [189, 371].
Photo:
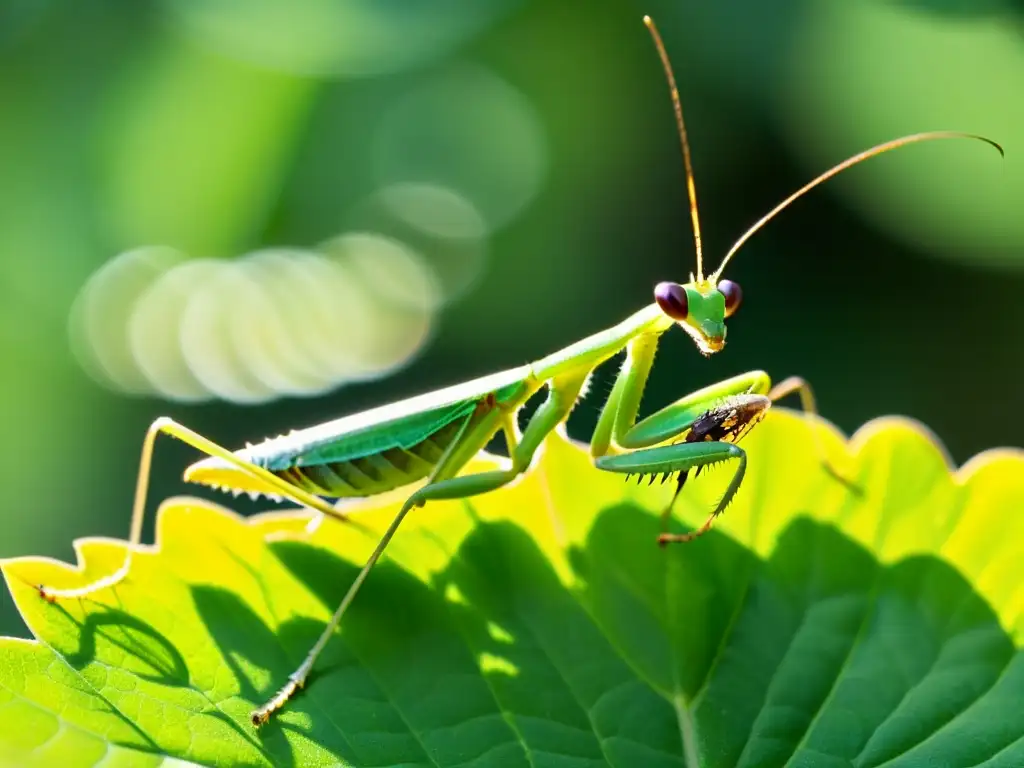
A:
[429, 439]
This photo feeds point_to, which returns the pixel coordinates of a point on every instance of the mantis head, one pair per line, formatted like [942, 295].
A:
[700, 309]
[701, 306]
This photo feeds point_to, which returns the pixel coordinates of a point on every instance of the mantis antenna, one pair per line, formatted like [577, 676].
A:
[868, 153]
[690, 186]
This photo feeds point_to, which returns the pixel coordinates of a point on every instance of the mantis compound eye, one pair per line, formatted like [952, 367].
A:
[671, 297]
[733, 296]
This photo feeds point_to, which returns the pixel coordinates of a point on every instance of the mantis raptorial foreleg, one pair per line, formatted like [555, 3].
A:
[738, 417]
[758, 382]
[722, 411]
[706, 419]
[174, 429]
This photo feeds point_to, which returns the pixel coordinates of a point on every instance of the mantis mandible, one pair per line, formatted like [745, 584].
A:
[433, 436]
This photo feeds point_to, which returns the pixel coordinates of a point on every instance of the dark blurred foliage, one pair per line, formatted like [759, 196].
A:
[894, 290]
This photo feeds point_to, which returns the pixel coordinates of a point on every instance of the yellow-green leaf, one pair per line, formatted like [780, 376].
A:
[542, 625]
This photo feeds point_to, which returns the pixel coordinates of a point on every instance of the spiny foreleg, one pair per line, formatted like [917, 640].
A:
[681, 457]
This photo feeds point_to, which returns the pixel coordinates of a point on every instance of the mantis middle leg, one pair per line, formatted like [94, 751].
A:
[562, 395]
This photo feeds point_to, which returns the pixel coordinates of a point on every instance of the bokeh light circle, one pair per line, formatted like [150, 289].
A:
[468, 130]
[389, 269]
[273, 319]
[401, 294]
[208, 346]
[98, 323]
[445, 228]
[338, 333]
[154, 330]
[275, 322]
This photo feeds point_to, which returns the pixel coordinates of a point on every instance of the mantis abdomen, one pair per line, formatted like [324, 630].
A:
[359, 457]
[375, 473]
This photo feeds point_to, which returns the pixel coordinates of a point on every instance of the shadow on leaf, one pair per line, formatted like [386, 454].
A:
[819, 647]
[147, 652]
[241, 634]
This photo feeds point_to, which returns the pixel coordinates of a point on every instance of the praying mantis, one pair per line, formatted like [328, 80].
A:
[429, 439]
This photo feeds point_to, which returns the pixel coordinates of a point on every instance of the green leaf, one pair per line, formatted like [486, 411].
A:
[541, 625]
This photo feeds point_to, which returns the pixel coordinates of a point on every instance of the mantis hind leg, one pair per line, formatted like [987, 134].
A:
[197, 441]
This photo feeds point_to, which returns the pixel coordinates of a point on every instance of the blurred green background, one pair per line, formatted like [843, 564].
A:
[437, 190]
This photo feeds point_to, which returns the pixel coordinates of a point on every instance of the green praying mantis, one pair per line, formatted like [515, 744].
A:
[429, 439]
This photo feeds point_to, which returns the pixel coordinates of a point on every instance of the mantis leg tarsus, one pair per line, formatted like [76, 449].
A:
[727, 497]
[798, 385]
[666, 538]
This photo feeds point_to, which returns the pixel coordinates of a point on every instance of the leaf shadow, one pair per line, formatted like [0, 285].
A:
[159, 660]
[153, 657]
[818, 628]
[240, 634]
[364, 699]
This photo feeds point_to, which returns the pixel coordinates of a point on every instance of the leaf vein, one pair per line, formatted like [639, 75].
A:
[961, 713]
